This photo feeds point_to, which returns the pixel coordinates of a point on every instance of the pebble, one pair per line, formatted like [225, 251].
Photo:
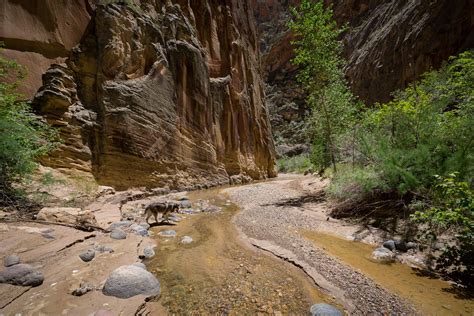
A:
[148, 252]
[88, 255]
[186, 240]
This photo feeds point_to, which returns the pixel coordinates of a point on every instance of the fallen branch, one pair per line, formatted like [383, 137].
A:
[86, 228]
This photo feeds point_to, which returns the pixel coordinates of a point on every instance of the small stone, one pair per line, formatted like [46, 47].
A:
[323, 309]
[83, 289]
[139, 230]
[148, 252]
[145, 225]
[185, 204]
[400, 245]
[186, 240]
[167, 233]
[21, 274]
[389, 244]
[88, 255]
[11, 260]
[383, 255]
[118, 234]
[412, 245]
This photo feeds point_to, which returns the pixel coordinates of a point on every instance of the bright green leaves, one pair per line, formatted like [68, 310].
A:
[318, 55]
[23, 135]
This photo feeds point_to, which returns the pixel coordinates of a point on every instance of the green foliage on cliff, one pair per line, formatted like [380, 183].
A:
[23, 136]
[318, 55]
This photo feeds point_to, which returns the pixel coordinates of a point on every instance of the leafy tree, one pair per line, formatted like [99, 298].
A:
[23, 135]
[318, 55]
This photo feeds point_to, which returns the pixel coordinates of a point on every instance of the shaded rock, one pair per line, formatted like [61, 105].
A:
[67, 215]
[185, 204]
[128, 281]
[121, 224]
[21, 274]
[167, 233]
[383, 255]
[186, 240]
[412, 245]
[389, 244]
[323, 309]
[401, 245]
[11, 260]
[118, 234]
[83, 289]
[88, 255]
[138, 230]
[149, 252]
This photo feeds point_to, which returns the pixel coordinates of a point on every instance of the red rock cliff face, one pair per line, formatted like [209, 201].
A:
[168, 94]
[38, 33]
[389, 43]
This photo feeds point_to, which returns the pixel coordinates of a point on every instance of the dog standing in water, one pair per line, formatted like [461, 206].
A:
[163, 208]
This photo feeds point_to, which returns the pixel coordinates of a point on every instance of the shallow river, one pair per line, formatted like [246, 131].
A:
[217, 273]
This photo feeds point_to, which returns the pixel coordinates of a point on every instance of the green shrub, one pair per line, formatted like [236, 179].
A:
[452, 210]
[298, 164]
[23, 135]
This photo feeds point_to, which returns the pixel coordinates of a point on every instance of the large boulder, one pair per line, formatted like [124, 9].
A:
[21, 274]
[128, 281]
[67, 215]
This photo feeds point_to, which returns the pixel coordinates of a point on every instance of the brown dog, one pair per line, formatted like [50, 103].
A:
[163, 208]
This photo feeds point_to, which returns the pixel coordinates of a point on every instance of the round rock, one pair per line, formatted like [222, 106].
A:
[186, 240]
[121, 224]
[185, 204]
[389, 244]
[148, 252]
[11, 260]
[128, 281]
[88, 255]
[383, 255]
[323, 309]
[118, 234]
[21, 274]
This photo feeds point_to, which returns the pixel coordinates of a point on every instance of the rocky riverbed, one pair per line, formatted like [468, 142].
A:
[259, 249]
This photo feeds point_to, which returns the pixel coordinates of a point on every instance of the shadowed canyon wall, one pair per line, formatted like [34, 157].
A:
[388, 44]
[162, 93]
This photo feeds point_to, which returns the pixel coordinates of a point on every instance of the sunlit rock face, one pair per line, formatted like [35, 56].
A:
[167, 93]
[388, 44]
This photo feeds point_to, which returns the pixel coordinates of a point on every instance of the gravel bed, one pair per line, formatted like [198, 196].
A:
[269, 213]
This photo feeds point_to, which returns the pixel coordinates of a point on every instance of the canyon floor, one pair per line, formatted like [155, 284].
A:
[265, 248]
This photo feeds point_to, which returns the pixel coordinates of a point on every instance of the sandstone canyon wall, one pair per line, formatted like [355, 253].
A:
[163, 93]
[388, 44]
[38, 33]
